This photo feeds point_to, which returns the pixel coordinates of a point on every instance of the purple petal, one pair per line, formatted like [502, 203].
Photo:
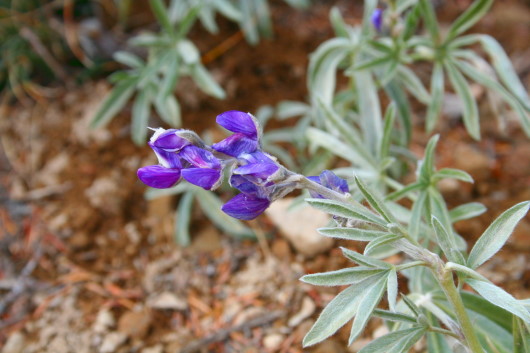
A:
[333, 182]
[158, 177]
[258, 172]
[377, 19]
[199, 158]
[245, 206]
[236, 145]
[168, 140]
[240, 122]
[244, 185]
[166, 159]
[206, 178]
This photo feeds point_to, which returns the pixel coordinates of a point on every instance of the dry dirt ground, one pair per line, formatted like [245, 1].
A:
[87, 264]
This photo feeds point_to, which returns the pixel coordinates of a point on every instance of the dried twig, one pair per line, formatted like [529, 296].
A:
[223, 334]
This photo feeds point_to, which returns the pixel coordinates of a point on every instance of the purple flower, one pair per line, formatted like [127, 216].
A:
[259, 168]
[246, 133]
[377, 19]
[168, 140]
[205, 170]
[159, 177]
[245, 206]
[328, 179]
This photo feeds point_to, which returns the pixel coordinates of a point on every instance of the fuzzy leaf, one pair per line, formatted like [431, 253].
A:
[499, 297]
[376, 202]
[437, 95]
[113, 103]
[466, 211]
[206, 83]
[396, 342]
[347, 233]
[140, 117]
[346, 210]
[471, 16]
[182, 219]
[364, 260]
[451, 173]
[341, 277]
[497, 234]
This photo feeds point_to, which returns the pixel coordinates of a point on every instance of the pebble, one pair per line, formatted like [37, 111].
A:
[273, 341]
[299, 226]
[307, 309]
[112, 341]
[135, 323]
[15, 343]
[168, 301]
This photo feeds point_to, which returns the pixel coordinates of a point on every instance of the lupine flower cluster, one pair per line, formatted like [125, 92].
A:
[183, 155]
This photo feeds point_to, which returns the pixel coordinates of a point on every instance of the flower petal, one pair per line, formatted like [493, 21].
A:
[236, 145]
[377, 19]
[168, 140]
[333, 182]
[158, 177]
[245, 206]
[257, 172]
[244, 185]
[166, 159]
[240, 122]
[206, 178]
[199, 158]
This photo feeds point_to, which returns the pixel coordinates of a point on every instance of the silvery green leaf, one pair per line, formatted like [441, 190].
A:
[427, 165]
[336, 20]
[344, 276]
[413, 84]
[299, 4]
[437, 208]
[521, 336]
[152, 193]
[429, 18]
[376, 244]
[113, 102]
[347, 233]
[392, 289]
[367, 27]
[346, 210]
[369, 302]
[211, 206]
[499, 297]
[188, 52]
[403, 5]
[370, 111]
[451, 173]
[364, 260]
[187, 21]
[394, 316]
[325, 140]
[207, 18]
[248, 21]
[228, 10]
[183, 218]
[501, 342]
[436, 308]
[497, 234]
[140, 117]
[466, 211]
[128, 59]
[396, 93]
[339, 311]
[399, 194]
[396, 342]
[471, 16]
[171, 76]
[493, 85]
[386, 140]
[483, 307]
[503, 67]
[375, 201]
[205, 81]
[289, 109]
[436, 342]
[437, 95]
[371, 64]
[263, 16]
[323, 66]
[161, 13]
[169, 109]
[470, 113]
[416, 217]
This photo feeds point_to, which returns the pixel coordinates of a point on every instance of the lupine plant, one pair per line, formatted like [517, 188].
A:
[446, 300]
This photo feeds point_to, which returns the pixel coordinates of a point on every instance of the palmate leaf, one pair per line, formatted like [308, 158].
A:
[396, 342]
[376, 202]
[499, 297]
[365, 294]
[450, 173]
[497, 234]
[347, 233]
[383, 241]
[471, 16]
[365, 260]
[446, 242]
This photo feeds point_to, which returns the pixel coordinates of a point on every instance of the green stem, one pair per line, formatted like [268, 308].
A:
[445, 278]
[411, 264]
[443, 332]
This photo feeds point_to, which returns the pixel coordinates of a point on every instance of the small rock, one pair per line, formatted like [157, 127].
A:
[135, 323]
[473, 161]
[307, 309]
[104, 321]
[112, 341]
[15, 343]
[155, 349]
[299, 226]
[273, 341]
[168, 301]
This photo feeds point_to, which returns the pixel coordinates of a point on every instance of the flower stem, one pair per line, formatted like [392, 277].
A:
[445, 279]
